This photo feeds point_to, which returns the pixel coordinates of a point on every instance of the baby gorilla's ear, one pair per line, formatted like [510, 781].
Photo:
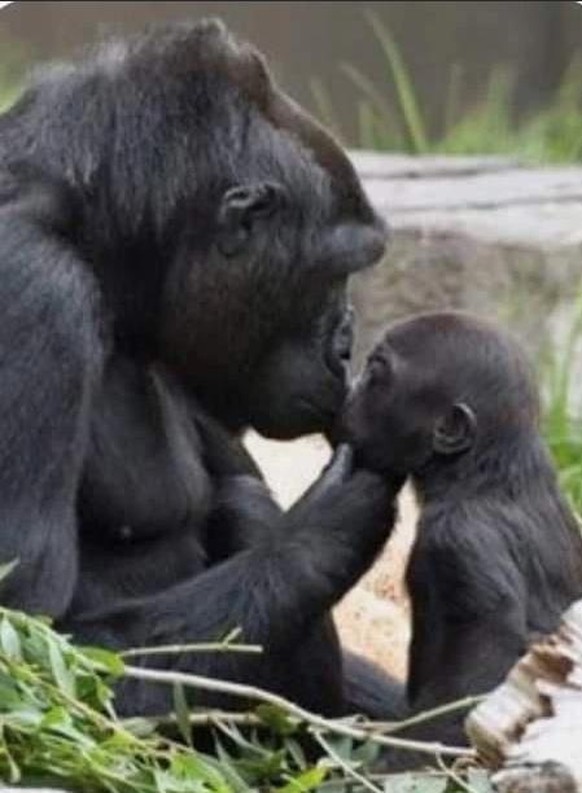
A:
[454, 432]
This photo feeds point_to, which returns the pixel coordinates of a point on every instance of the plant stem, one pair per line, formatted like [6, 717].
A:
[347, 768]
[389, 727]
[208, 718]
[250, 692]
[454, 777]
[173, 649]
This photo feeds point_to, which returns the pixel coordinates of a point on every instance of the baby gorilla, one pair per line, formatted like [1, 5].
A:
[451, 401]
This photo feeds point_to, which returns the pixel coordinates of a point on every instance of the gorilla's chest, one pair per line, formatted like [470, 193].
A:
[145, 496]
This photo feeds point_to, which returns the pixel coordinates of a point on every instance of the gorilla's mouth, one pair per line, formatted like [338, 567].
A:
[324, 416]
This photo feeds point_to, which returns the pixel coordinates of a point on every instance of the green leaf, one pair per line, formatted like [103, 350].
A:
[342, 746]
[408, 102]
[105, 660]
[59, 720]
[296, 752]
[367, 753]
[416, 783]
[140, 727]
[227, 768]
[182, 713]
[63, 678]
[308, 780]
[276, 718]
[193, 767]
[14, 773]
[10, 696]
[9, 640]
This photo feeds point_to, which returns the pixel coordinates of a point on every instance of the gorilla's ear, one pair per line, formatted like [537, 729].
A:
[239, 210]
[455, 432]
[350, 247]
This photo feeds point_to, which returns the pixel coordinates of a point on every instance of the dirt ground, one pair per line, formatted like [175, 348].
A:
[374, 617]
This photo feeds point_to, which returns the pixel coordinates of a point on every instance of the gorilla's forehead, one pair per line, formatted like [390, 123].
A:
[207, 48]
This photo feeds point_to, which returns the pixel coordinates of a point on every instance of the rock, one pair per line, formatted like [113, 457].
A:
[486, 235]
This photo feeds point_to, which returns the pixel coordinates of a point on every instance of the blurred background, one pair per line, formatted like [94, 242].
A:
[396, 75]
[471, 115]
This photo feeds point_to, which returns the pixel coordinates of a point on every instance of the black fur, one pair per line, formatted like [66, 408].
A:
[175, 241]
[498, 557]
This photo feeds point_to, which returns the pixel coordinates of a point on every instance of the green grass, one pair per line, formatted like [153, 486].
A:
[7, 97]
[15, 62]
[551, 134]
[562, 423]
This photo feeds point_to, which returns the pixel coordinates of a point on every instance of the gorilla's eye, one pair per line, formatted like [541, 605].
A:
[240, 209]
[378, 366]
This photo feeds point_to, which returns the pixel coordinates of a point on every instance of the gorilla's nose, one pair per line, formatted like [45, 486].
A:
[343, 340]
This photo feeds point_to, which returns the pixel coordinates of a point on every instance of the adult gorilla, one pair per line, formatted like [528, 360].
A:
[175, 241]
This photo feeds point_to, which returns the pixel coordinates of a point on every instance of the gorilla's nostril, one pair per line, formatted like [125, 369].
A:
[339, 351]
[344, 336]
[343, 347]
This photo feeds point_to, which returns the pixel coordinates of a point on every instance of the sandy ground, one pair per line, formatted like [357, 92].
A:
[374, 617]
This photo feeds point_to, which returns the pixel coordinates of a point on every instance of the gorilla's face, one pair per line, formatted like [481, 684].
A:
[390, 413]
[266, 342]
[302, 382]
[425, 397]
[255, 318]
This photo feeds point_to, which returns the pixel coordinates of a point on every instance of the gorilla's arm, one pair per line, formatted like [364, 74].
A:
[308, 562]
[368, 689]
[50, 359]
[469, 620]
[468, 624]
[469, 610]
[244, 511]
[277, 591]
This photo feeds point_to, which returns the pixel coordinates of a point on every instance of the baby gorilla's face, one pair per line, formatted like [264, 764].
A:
[387, 417]
[401, 414]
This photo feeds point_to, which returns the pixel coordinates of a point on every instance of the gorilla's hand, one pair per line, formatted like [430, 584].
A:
[336, 473]
[347, 492]
[336, 530]
[344, 471]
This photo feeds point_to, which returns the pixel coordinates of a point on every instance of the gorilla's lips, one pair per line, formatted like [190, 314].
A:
[323, 419]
